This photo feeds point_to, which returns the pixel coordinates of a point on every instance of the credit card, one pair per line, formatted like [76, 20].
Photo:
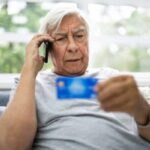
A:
[76, 88]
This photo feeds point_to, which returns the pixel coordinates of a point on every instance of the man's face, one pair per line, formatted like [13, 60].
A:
[70, 48]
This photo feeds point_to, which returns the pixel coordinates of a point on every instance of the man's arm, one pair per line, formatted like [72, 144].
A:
[18, 123]
[121, 94]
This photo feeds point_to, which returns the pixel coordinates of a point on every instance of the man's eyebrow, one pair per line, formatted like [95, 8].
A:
[60, 33]
[80, 29]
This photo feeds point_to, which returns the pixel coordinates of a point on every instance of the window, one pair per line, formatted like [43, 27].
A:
[120, 34]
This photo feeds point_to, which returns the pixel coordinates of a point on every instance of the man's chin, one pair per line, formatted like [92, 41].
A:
[71, 71]
[75, 71]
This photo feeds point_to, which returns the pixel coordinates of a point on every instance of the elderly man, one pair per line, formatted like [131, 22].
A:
[35, 119]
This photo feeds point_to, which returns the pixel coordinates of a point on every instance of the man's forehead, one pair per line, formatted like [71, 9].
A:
[73, 30]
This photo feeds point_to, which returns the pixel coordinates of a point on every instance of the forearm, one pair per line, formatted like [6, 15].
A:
[18, 123]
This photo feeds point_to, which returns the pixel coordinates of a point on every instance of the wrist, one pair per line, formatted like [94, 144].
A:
[145, 124]
[27, 71]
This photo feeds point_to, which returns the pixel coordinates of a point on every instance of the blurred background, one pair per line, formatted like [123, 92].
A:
[120, 32]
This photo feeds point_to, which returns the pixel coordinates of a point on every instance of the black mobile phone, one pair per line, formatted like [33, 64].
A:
[48, 48]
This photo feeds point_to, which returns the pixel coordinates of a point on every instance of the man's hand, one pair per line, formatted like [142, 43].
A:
[33, 61]
[121, 94]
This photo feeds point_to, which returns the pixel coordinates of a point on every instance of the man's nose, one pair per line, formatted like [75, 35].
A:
[72, 46]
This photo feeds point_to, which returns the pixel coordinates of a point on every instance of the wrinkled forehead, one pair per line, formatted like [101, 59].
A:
[70, 23]
[78, 29]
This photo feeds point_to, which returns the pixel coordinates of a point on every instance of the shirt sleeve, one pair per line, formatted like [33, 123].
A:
[13, 89]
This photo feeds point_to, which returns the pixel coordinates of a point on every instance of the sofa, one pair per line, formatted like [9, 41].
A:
[4, 98]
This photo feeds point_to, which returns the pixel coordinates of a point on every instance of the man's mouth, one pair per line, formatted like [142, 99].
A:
[73, 60]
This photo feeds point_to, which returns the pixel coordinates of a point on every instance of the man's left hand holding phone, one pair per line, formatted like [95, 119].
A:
[33, 60]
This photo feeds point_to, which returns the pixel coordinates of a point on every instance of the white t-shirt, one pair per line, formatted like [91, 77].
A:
[81, 124]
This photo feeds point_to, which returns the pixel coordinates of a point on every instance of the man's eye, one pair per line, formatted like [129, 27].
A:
[79, 36]
[60, 39]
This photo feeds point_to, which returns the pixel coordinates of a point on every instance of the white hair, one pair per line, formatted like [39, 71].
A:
[54, 17]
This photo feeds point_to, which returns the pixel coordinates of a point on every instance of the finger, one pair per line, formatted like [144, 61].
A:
[113, 80]
[38, 39]
[40, 35]
[43, 38]
[121, 108]
[116, 103]
[41, 58]
[113, 90]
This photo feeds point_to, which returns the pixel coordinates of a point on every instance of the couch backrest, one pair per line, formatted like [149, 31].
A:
[4, 97]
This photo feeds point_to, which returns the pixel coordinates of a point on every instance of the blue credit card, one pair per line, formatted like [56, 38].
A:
[76, 87]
